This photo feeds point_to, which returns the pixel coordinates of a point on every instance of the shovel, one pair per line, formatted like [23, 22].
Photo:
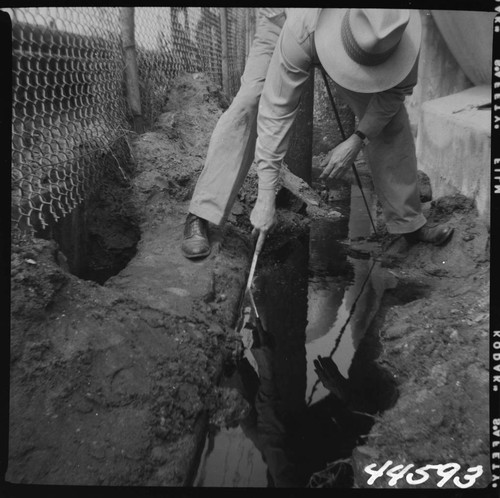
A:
[248, 316]
[248, 291]
[247, 297]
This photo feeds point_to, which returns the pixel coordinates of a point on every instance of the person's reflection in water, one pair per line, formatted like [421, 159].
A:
[263, 424]
[278, 354]
[295, 440]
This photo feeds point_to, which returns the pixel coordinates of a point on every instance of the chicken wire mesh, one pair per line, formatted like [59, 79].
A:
[172, 40]
[68, 107]
[237, 45]
[70, 116]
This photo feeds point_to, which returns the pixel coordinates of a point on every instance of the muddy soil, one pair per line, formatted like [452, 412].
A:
[115, 384]
[433, 330]
[431, 338]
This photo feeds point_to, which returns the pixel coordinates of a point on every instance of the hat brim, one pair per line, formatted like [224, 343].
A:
[356, 77]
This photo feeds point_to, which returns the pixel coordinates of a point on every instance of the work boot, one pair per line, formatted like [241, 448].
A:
[195, 243]
[436, 235]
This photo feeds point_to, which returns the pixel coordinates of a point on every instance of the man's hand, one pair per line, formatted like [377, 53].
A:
[330, 376]
[263, 214]
[342, 157]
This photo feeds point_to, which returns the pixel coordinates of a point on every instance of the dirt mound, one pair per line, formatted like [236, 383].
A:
[170, 156]
[102, 387]
[35, 279]
[433, 329]
[114, 384]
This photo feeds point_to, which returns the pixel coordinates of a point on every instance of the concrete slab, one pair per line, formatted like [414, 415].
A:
[454, 146]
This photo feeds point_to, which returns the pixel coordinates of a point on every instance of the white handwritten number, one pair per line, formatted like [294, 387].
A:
[477, 471]
[446, 474]
[445, 471]
[422, 472]
[397, 472]
[375, 474]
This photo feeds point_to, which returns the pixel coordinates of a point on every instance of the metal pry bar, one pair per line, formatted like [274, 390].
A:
[356, 175]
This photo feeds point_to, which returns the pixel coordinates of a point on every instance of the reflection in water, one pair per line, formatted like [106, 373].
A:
[341, 304]
[315, 301]
[231, 460]
[278, 358]
[354, 313]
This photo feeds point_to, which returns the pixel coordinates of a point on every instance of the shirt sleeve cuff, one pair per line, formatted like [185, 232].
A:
[269, 173]
[267, 185]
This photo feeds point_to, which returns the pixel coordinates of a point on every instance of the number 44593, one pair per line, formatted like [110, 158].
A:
[418, 476]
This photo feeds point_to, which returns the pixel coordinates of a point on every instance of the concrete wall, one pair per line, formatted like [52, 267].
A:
[453, 137]
[438, 72]
[454, 145]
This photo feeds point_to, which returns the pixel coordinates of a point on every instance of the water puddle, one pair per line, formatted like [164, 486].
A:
[304, 370]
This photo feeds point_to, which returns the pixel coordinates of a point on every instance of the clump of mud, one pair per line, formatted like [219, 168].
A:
[35, 278]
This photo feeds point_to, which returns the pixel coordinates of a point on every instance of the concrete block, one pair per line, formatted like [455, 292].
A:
[454, 146]
[439, 74]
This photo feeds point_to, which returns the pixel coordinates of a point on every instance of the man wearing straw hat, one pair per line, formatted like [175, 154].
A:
[232, 145]
[372, 57]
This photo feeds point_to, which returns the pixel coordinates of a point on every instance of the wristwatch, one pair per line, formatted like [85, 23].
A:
[363, 137]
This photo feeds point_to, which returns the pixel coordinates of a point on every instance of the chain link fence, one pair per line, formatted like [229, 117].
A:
[71, 117]
[171, 40]
[238, 21]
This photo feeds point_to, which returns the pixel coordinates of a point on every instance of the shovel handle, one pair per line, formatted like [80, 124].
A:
[258, 247]
[260, 242]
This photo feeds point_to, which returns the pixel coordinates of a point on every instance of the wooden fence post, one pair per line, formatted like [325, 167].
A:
[131, 69]
[225, 68]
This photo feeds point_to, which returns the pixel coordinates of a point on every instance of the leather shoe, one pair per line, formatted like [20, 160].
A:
[195, 243]
[436, 235]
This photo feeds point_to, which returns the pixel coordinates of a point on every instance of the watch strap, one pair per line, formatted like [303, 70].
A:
[363, 137]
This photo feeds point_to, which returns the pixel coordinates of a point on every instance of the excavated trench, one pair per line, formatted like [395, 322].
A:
[101, 235]
[316, 298]
[108, 381]
[113, 231]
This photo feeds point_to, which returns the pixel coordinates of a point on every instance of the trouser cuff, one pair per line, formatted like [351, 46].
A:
[407, 226]
[210, 215]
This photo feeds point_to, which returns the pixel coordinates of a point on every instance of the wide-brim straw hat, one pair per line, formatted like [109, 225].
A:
[368, 50]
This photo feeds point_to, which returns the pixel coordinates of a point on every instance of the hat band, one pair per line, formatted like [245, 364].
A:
[355, 52]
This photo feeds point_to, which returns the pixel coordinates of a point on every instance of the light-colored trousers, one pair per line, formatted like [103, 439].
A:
[232, 145]
[393, 164]
[391, 154]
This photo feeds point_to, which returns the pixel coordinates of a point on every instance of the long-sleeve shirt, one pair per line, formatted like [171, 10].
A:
[288, 71]
[273, 13]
